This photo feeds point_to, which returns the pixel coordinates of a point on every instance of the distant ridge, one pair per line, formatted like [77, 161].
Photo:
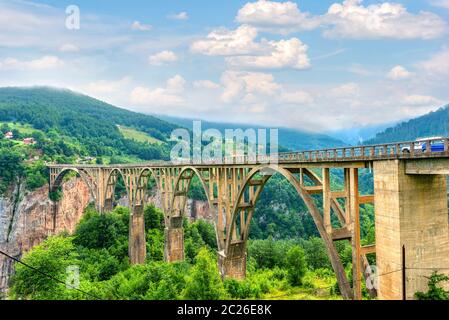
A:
[294, 140]
[435, 123]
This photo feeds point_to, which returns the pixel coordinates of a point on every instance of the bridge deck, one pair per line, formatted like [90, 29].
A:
[359, 156]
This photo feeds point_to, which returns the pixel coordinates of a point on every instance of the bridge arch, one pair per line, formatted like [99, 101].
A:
[143, 178]
[241, 204]
[85, 176]
[178, 200]
[110, 187]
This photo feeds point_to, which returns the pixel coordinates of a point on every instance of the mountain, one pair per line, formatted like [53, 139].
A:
[357, 136]
[93, 124]
[292, 139]
[435, 123]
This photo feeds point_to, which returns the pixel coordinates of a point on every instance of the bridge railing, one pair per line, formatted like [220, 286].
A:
[410, 149]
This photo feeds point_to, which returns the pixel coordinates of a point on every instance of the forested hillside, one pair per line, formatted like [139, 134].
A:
[84, 120]
[432, 124]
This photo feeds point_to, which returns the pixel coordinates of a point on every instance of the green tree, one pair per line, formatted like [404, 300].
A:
[204, 282]
[435, 292]
[51, 257]
[154, 218]
[97, 231]
[296, 265]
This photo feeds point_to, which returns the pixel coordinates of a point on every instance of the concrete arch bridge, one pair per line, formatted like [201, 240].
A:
[410, 199]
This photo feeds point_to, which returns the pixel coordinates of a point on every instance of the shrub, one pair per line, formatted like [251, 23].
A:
[52, 257]
[204, 282]
[435, 291]
[296, 265]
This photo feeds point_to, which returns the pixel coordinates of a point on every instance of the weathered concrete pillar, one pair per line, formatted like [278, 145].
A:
[137, 241]
[233, 265]
[174, 240]
[410, 211]
[108, 205]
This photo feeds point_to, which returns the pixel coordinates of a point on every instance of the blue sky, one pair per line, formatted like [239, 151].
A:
[314, 65]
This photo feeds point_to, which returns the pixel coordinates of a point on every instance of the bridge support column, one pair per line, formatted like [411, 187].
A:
[234, 264]
[137, 241]
[108, 205]
[411, 211]
[174, 240]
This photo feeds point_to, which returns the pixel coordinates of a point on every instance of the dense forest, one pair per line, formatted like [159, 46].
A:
[430, 125]
[296, 269]
[83, 120]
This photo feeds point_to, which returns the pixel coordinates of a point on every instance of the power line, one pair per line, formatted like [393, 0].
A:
[47, 275]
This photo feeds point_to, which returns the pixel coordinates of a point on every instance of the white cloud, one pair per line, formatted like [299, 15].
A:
[206, 84]
[437, 65]
[385, 20]
[240, 85]
[279, 17]
[170, 96]
[284, 53]
[224, 42]
[399, 73]
[101, 87]
[417, 100]
[297, 97]
[346, 90]
[69, 47]
[46, 62]
[440, 3]
[138, 26]
[244, 52]
[162, 58]
[179, 16]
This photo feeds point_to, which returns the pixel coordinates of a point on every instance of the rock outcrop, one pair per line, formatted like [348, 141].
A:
[28, 218]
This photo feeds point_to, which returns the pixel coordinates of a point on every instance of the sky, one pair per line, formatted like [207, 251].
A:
[312, 65]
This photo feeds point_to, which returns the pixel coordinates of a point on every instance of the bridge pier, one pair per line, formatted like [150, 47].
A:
[174, 240]
[137, 243]
[411, 211]
[108, 205]
[234, 264]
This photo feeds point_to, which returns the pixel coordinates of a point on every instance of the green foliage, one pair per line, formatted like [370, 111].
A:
[36, 175]
[435, 292]
[96, 231]
[296, 265]
[269, 254]
[154, 218]
[197, 235]
[316, 253]
[204, 282]
[155, 245]
[89, 121]
[52, 257]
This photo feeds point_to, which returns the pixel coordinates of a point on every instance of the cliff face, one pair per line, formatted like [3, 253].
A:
[26, 219]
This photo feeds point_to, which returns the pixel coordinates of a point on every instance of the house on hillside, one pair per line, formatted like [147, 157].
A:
[29, 141]
[9, 135]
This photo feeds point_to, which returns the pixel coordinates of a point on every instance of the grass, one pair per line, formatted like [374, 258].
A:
[133, 134]
[25, 129]
[317, 286]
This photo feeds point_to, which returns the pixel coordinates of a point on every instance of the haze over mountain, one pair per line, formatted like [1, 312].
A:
[294, 140]
[432, 124]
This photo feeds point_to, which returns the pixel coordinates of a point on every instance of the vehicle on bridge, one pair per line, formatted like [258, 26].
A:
[436, 145]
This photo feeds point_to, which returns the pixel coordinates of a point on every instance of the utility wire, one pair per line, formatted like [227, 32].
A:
[47, 275]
